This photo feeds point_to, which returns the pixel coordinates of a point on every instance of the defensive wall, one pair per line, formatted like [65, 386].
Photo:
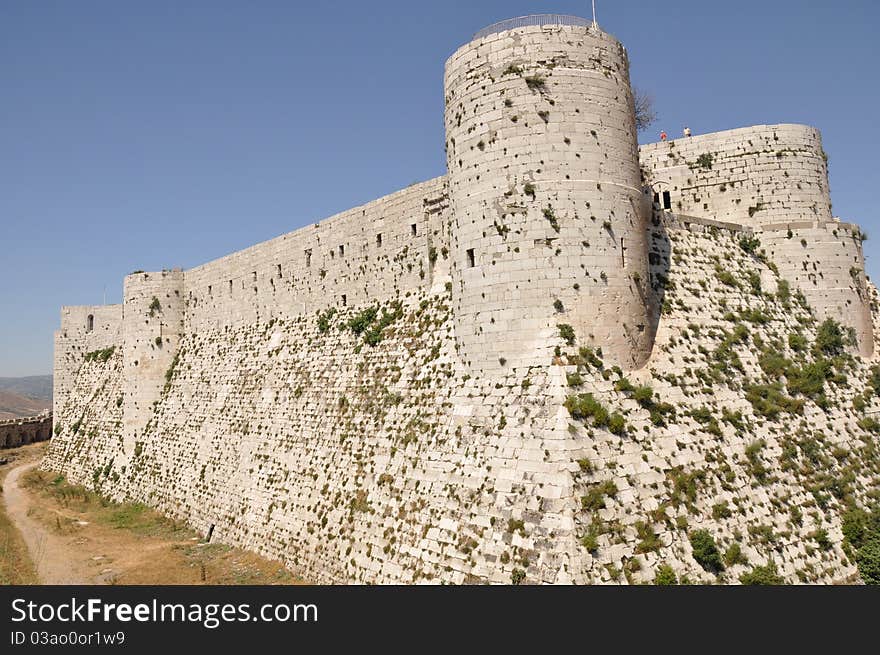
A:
[244, 396]
[22, 431]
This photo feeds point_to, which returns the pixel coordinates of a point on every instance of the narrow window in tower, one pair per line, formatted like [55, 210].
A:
[341, 250]
[622, 253]
[255, 276]
[379, 239]
[667, 200]
[470, 258]
[280, 274]
[413, 228]
[230, 287]
[308, 257]
[209, 291]
[344, 300]
[90, 323]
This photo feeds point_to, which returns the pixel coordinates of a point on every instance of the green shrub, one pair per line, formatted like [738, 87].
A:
[585, 465]
[820, 536]
[754, 279]
[623, 385]
[869, 424]
[755, 464]
[596, 495]
[101, 355]
[861, 532]
[868, 561]
[585, 406]
[601, 417]
[591, 357]
[768, 401]
[762, 575]
[726, 277]
[550, 215]
[616, 424]
[324, 320]
[665, 576]
[684, 485]
[750, 244]
[574, 379]
[809, 380]
[705, 160]
[773, 364]
[566, 332]
[362, 320]
[582, 406]
[734, 555]
[590, 541]
[649, 541]
[797, 342]
[643, 395]
[783, 291]
[518, 576]
[721, 511]
[829, 338]
[705, 552]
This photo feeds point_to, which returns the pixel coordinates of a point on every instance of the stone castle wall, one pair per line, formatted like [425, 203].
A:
[547, 206]
[384, 249]
[243, 396]
[824, 260]
[78, 336]
[754, 175]
[153, 314]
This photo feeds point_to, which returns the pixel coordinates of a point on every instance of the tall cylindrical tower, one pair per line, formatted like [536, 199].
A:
[549, 217]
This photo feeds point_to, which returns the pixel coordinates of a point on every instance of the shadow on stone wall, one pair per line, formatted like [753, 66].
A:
[659, 256]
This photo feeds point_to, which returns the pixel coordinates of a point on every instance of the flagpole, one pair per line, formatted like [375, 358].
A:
[595, 24]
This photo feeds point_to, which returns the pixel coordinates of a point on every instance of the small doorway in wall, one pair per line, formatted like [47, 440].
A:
[667, 200]
[471, 259]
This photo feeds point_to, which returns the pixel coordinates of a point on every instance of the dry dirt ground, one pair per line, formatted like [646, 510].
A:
[74, 536]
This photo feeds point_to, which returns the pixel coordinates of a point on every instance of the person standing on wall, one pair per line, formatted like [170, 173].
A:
[687, 131]
[663, 135]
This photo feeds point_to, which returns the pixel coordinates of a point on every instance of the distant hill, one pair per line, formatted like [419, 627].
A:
[25, 396]
[13, 405]
[34, 386]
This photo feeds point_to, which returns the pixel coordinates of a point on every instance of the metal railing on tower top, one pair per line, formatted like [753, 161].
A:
[534, 20]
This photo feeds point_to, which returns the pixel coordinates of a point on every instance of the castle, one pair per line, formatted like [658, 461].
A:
[381, 396]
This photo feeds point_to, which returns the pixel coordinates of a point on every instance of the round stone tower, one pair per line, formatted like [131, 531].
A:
[549, 217]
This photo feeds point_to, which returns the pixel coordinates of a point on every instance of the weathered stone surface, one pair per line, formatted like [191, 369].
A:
[261, 398]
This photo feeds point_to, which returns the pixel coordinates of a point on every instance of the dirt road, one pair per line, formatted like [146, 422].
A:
[83, 539]
[53, 555]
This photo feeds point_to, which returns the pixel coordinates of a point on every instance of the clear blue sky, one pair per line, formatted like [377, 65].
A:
[161, 134]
